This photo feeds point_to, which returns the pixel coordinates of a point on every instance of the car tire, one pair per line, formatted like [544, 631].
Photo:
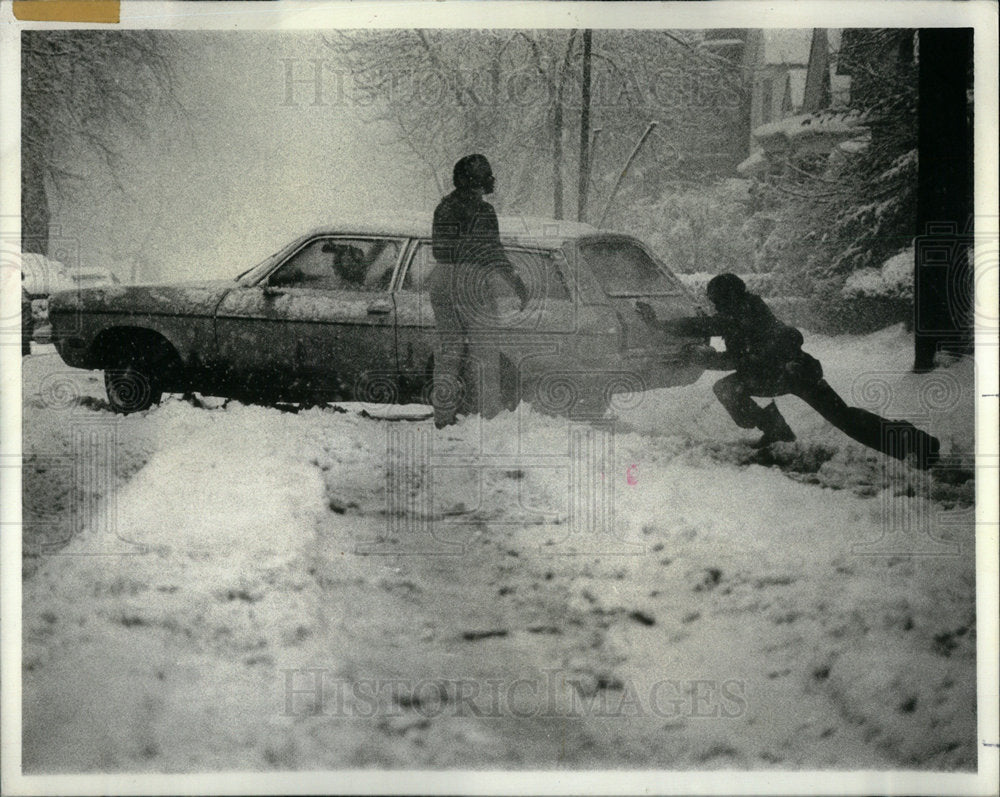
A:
[131, 385]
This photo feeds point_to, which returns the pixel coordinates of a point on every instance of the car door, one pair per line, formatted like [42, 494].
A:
[317, 323]
[415, 331]
[532, 342]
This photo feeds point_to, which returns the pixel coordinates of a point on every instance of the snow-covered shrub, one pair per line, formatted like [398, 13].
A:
[842, 212]
[870, 299]
[893, 281]
[695, 228]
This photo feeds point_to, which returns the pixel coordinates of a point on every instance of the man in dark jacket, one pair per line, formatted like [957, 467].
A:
[467, 248]
[767, 359]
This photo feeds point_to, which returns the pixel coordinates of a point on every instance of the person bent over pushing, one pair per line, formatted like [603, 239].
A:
[767, 360]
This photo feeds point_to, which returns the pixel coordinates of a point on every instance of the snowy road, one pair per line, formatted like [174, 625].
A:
[261, 589]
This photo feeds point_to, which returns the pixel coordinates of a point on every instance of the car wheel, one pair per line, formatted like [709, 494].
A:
[131, 385]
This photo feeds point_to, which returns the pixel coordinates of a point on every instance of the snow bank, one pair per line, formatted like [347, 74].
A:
[206, 544]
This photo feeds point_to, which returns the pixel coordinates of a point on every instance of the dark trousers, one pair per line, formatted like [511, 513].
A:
[895, 438]
[467, 351]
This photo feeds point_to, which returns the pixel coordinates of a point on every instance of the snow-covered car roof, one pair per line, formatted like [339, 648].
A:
[535, 230]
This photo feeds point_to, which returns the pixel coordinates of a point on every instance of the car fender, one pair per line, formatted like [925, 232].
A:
[183, 315]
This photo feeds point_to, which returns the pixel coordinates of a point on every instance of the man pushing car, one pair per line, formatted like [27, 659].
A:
[767, 360]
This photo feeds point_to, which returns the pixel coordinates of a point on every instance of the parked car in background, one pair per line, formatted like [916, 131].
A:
[42, 276]
[343, 312]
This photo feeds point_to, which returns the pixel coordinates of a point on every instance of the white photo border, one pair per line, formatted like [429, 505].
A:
[286, 15]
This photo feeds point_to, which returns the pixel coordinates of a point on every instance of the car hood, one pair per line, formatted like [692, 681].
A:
[190, 298]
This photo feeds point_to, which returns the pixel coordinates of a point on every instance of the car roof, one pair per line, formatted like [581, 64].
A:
[527, 230]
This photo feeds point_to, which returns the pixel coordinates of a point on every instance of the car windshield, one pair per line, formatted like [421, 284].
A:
[625, 269]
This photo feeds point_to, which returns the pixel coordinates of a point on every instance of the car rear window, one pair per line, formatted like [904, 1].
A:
[538, 271]
[624, 269]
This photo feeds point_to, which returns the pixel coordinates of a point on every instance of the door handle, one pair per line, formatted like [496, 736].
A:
[379, 309]
[271, 292]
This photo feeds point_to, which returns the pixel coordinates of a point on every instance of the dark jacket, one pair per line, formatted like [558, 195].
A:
[757, 342]
[466, 233]
[755, 338]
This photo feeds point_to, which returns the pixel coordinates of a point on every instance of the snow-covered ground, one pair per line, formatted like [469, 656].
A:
[524, 592]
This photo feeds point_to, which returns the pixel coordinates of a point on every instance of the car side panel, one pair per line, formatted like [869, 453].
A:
[555, 333]
[182, 315]
[415, 336]
[300, 340]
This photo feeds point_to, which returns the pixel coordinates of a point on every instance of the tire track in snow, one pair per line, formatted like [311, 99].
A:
[176, 635]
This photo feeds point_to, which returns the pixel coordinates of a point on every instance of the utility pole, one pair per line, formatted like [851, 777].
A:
[583, 185]
[943, 269]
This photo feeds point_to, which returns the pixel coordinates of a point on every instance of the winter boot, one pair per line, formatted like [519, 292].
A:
[909, 444]
[774, 427]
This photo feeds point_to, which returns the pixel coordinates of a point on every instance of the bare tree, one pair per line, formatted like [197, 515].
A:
[445, 95]
[83, 94]
[517, 95]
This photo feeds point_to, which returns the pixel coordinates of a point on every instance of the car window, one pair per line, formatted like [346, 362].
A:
[538, 272]
[348, 264]
[421, 265]
[535, 267]
[624, 269]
